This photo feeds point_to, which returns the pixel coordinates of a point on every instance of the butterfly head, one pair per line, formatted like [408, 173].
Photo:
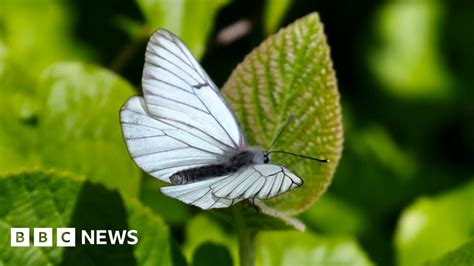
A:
[257, 155]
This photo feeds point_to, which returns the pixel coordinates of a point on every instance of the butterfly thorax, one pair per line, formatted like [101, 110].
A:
[231, 162]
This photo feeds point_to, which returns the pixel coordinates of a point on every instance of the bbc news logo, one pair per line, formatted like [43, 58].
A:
[66, 237]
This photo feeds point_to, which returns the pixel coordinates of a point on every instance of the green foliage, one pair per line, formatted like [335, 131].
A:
[433, 226]
[82, 102]
[55, 199]
[274, 12]
[334, 216]
[460, 256]
[392, 60]
[215, 233]
[296, 248]
[174, 212]
[408, 60]
[190, 20]
[256, 218]
[278, 248]
[35, 34]
[374, 160]
[291, 73]
[209, 254]
[17, 115]
[68, 119]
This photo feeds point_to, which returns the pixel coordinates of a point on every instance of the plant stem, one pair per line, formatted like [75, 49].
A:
[246, 240]
[247, 248]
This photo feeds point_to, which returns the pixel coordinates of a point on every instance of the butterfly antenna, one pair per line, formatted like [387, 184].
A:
[302, 156]
[281, 131]
[290, 153]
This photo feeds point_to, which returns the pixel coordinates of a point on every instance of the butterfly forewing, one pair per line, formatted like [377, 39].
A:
[183, 121]
[160, 148]
[189, 97]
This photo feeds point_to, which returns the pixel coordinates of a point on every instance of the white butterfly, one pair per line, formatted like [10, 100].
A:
[183, 132]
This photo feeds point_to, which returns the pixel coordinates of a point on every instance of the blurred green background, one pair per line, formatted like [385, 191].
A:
[404, 189]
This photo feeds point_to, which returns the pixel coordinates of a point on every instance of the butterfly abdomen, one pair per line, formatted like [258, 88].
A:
[230, 165]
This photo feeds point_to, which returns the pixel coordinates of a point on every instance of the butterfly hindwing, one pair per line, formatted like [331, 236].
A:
[199, 194]
[260, 181]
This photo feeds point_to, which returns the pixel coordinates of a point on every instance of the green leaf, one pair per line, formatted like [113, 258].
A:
[277, 248]
[463, 255]
[209, 254]
[291, 73]
[79, 124]
[408, 60]
[377, 141]
[68, 119]
[296, 248]
[274, 12]
[17, 115]
[201, 229]
[250, 219]
[54, 199]
[433, 226]
[190, 20]
[372, 152]
[332, 215]
[174, 212]
[38, 33]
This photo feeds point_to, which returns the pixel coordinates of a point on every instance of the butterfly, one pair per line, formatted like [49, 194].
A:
[182, 131]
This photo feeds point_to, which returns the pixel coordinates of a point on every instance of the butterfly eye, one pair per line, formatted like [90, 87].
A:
[265, 158]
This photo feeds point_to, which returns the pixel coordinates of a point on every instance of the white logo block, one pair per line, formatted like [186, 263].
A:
[19, 237]
[66, 237]
[43, 237]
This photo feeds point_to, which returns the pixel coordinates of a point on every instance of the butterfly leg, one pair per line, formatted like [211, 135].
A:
[252, 201]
